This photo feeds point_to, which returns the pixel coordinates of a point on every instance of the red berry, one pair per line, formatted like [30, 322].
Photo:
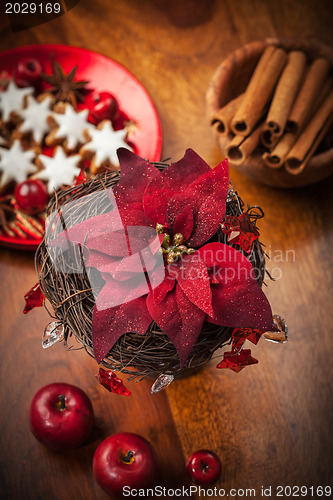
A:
[104, 106]
[31, 196]
[204, 467]
[28, 72]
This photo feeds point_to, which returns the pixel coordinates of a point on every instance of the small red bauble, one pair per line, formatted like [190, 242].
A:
[104, 106]
[61, 416]
[28, 72]
[31, 196]
[204, 467]
[125, 460]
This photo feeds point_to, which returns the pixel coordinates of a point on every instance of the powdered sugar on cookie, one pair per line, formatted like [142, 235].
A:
[11, 99]
[103, 144]
[58, 170]
[16, 164]
[69, 128]
[35, 118]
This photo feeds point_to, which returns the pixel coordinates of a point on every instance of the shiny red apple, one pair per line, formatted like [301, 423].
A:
[61, 416]
[31, 196]
[103, 106]
[125, 459]
[204, 467]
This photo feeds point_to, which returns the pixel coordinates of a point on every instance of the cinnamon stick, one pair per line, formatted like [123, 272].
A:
[308, 93]
[310, 138]
[276, 157]
[285, 92]
[259, 90]
[241, 147]
[267, 137]
[221, 120]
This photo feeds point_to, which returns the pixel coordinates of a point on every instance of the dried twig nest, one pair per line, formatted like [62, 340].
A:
[72, 298]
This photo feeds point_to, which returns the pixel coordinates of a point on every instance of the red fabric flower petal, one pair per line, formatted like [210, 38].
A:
[111, 382]
[159, 292]
[179, 319]
[132, 217]
[157, 194]
[192, 276]
[103, 234]
[207, 198]
[238, 300]
[104, 263]
[186, 170]
[136, 173]
[141, 262]
[184, 223]
[241, 306]
[117, 292]
[110, 324]
[127, 242]
[91, 227]
[237, 361]
[115, 244]
[114, 221]
[175, 179]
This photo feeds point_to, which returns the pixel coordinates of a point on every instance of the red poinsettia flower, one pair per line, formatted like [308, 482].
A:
[152, 252]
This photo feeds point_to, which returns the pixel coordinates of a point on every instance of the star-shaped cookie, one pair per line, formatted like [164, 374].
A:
[16, 163]
[34, 117]
[11, 99]
[103, 145]
[58, 170]
[69, 127]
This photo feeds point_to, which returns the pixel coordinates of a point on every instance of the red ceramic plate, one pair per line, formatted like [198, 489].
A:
[103, 74]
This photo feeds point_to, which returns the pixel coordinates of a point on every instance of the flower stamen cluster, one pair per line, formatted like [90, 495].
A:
[176, 249]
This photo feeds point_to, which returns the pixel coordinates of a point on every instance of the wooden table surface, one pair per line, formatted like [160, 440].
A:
[272, 423]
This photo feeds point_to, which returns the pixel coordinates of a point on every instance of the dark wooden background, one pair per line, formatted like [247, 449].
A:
[272, 423]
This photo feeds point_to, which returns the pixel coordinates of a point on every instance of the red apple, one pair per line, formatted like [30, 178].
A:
[31, 196]
[204, 467]
[61, 416]
[103, 106]
[124, 459]
[28, 72]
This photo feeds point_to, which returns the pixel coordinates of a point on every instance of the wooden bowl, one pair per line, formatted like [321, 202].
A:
[231, 78]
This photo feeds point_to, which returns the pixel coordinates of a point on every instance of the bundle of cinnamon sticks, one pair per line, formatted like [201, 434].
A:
[285, 111]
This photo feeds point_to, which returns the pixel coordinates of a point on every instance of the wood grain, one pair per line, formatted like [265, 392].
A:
[271, 423]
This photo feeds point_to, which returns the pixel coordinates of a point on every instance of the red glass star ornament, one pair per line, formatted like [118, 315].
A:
[111, 382]
[237, 361]
[240, 231]
[251, 334]
[237, 343]
[33, 298]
